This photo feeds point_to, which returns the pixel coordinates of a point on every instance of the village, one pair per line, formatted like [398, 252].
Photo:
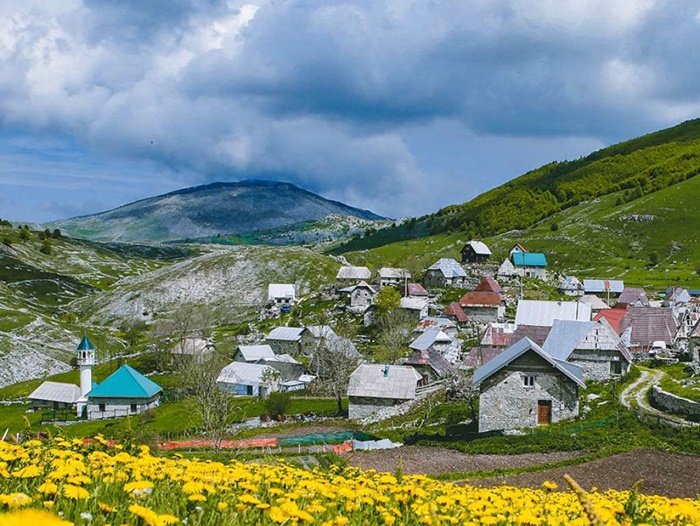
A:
[521, 361]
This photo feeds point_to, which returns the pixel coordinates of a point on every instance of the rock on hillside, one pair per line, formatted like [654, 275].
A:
[209, 210]
[232, 280]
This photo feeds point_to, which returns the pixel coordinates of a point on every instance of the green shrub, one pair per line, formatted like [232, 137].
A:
[277, 404]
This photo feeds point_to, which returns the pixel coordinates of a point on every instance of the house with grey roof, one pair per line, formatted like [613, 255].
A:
[281, 293]
[543, 313]
[54, 395]
[525, 386]
[437, 340]
[252, 353]
[641, 327]
[614, 287]
[249, 379]
[446, 272]
[374, 388]
[430, 364]
[393, 277]
[475, 251]
[417, 307]
[592, 345]
[351, 275]
[507, 270]
[632, 297]
[360, 296]
[297, 341]
[571, 286]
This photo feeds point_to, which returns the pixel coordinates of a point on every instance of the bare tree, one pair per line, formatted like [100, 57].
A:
[394, 334]
[333, 362]
[460, 387]
[216, 409]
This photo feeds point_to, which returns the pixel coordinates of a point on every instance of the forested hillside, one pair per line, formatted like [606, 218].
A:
[634, 168]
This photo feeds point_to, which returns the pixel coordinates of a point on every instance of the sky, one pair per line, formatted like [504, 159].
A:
[398, 106]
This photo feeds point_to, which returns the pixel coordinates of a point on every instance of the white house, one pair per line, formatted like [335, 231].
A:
[249, 379]
[281, 294]
[124, 392]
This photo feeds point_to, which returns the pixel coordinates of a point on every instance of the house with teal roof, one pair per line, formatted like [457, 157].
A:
[124, 392]
[530, 264]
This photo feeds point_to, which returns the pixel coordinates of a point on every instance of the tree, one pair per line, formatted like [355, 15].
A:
[24, 233]
[654, 258]
[277, 404]
[460, 387]
[332, 363]
[56, 234]
[387, 300]
[216, 409]
[46, 246]
[394, 335]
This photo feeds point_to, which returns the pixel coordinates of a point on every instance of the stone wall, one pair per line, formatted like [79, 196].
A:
[671, 403]
[596, 366]
[505, 403]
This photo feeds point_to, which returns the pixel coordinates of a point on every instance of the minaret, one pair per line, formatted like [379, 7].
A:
[86, 360]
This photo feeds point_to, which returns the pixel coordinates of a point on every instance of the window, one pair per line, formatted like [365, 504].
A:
[133, 408]
[529, 381]
[616, 368]
[101, 408]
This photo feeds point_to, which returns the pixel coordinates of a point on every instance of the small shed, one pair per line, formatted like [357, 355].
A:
[430, 364]
[376, 387]
[124, 392]
[249, 379]
[475, 251]
[54, 395]
[455, 312]
[525, 386]
[418, 307]
[416, 290]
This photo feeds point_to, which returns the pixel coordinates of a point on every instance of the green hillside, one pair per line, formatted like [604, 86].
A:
[651, 240]
[630, 170]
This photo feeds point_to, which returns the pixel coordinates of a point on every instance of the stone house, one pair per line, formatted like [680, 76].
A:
[485, 303]
[360, 296]
[446, 272]
[525, 386]
[571, 286]
[296, 341]
[124, 392]
[252, 353]
[430, 364]
[376, 387]
[418, 307]
[393, 277]
[592, 345]
[475, 251]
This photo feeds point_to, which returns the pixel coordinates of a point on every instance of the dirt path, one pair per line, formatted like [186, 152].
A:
[635, 394]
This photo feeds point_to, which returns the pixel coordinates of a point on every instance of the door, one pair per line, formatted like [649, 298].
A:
[544, 412]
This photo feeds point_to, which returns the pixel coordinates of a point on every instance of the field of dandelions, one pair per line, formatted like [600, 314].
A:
[63, 482]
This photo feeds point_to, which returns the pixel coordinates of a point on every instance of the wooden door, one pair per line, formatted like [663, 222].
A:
[544, 412]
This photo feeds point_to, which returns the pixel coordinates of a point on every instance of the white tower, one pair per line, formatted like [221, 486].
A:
[86, 360]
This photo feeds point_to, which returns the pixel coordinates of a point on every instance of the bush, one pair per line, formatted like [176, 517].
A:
[277, 404]
[554, 227]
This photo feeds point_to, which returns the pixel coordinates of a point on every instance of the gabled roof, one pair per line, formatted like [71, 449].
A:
[632, 296]
[126, 382]
[395, 273]
[489, 285]
[281, 290]
[449, 268]
[649, 325]
[478, 356]
[571, 371]
[278, 358]
[613, 317]
[536, 312]
[290, 334]
[455, 309]
[537, 334]
[416, 289]
[435, 321]
[361, 285]
[569, 336]
[594, 301]
[570, 283]
[529, 259]
[498, 334]
[432, 359]
[253, 353]
[596, 286]
[413, 303]
[243, 373]
[507, 268]
[56, 392]
[677, 295]
[395, 382]
[350, 272]
[477, 298]
[479, 247]
[85, 344]
[429, 338]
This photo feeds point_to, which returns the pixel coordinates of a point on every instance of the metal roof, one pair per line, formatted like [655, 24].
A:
[571, 371]
[243, 373]
[432, 359]
[429, 338]
[281, 290]
[570, 283]
[603, 285]
[361, 285]
[529, 259]
[478, 356]
[478, 298]
[291, 334]
[416, 289]
[126, 382]
[565, 337]
[396, 273]
[594, 301]
[543, 313]
[435, 321]
[253, 353]
[455, 309]
[354, 273]
[280, 358]
[449, 267]
[506, 269]
[193, 346]
[634, 296]
[489, 285]
[396, 382]
[479, 247]
[648, 325]
[85, 344]
[613, 317]
[56, 392]
[413, 303]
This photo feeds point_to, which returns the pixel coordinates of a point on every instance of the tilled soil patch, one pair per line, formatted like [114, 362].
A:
[437, 461]
[661, 473]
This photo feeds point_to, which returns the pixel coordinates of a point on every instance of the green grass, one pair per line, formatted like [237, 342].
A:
[674, 380]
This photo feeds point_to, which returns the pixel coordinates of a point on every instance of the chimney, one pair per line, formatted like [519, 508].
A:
[386, 371]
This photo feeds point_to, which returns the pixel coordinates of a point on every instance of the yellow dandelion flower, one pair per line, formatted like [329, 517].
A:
[29, 516]
[75, 492]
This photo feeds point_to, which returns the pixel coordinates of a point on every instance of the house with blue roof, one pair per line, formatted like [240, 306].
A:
[530, 264]
[525, 386]
[125, 392]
